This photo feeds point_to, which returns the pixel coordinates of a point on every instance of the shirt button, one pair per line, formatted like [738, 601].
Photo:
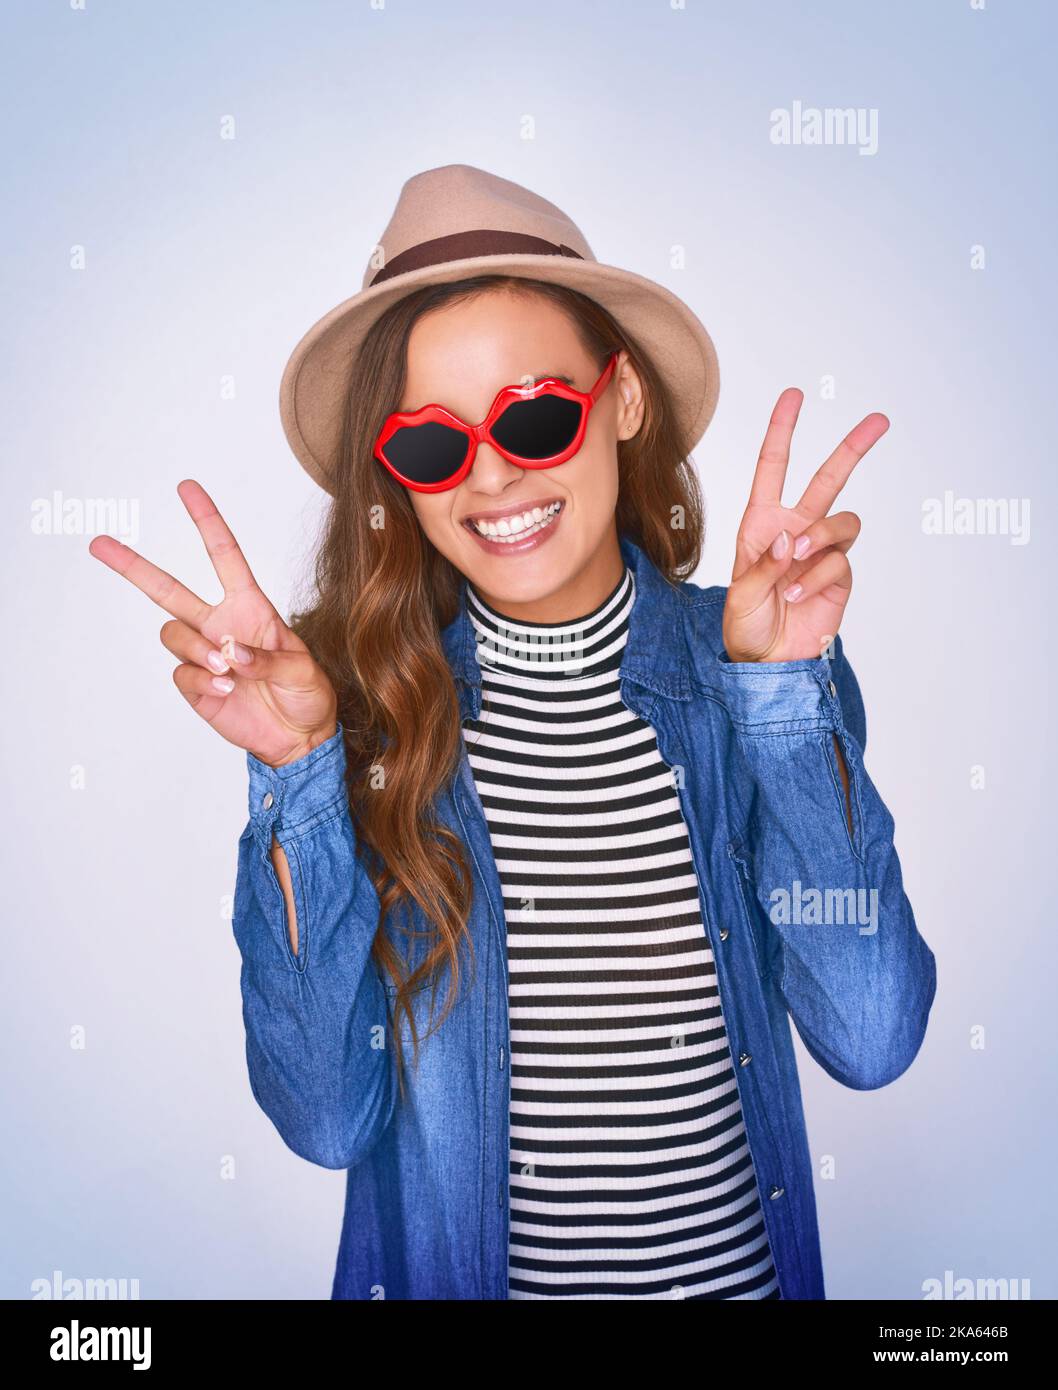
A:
[833, 689]
[724, 933]
[776, 1192]
[266, 800]
[743, 1058]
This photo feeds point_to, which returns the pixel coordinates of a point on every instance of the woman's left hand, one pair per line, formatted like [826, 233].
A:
[792, 577]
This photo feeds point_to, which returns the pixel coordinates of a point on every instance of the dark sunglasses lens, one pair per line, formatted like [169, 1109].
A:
[429, 453]
[540, 428]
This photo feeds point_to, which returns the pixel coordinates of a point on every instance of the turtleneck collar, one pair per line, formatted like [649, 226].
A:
[583, 646]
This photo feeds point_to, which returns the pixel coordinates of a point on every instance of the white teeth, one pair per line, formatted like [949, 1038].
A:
[510, 528]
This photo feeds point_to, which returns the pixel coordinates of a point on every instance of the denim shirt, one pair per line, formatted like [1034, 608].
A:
[807, 920]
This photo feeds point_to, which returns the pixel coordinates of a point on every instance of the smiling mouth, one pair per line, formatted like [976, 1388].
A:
[516, 527]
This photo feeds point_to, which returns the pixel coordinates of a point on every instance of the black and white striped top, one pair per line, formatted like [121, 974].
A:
[630, 1174]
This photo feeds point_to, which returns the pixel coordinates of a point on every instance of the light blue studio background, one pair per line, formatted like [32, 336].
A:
[142, 1154]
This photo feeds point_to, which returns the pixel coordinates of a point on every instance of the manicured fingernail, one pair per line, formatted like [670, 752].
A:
[216, 662]
[233, 651]
[801, 545]
[780, 545]
[224, 684]
[793, 593]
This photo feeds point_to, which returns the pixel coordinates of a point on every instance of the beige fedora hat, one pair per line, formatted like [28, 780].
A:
[456, 221]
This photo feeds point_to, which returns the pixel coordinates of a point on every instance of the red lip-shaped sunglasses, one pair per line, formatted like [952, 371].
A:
[537, 426]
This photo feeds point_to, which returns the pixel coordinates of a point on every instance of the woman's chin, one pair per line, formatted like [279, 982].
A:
[518, 583]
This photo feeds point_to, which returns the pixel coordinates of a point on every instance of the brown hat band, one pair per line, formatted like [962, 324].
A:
[460, 245]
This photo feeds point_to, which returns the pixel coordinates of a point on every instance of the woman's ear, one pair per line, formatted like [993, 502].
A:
[630, 398]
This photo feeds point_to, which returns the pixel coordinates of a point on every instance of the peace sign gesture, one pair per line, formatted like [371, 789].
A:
[241, 667]
[792, 578]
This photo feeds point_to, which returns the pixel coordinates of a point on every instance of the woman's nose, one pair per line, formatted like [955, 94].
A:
[491, 472]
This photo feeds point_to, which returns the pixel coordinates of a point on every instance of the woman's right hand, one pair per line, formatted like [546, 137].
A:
[241, 667]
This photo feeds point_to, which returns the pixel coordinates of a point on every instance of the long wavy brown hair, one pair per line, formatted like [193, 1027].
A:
[382, 594]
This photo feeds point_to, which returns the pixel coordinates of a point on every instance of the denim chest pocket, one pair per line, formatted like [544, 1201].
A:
[765, 944]
[408, 934]
[419, 1005]
[391, 988]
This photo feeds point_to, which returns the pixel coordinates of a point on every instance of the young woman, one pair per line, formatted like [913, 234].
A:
[546, 843]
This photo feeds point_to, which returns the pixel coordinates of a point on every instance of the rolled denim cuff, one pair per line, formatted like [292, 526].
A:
[291, 799]
[773, 697]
